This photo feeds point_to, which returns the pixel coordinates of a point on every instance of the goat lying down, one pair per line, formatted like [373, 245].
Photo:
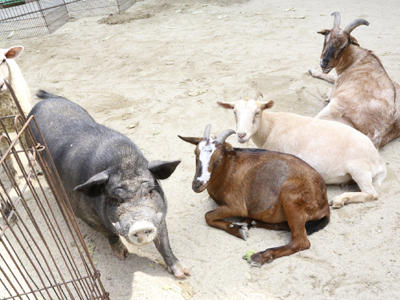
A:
[363, 96]
[337, 151]
[269, 189]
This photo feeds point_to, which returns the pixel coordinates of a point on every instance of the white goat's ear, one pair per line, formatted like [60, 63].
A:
[14, 52]
[227, 105]
[267, 105]
[324, 32]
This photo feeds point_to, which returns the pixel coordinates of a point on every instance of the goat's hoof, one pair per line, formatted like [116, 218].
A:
[243, 230]
[259, 258]
[337, 203]
[256, 264]
[311, 71]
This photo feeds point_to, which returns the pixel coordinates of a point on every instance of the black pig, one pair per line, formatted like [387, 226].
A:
[111, 185]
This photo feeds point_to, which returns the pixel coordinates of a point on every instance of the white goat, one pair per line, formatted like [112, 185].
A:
[337, 151]
[9, 70]
[363, 95]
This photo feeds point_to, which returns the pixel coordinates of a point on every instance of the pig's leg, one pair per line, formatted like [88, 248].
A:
[162, 244]
[117, 246]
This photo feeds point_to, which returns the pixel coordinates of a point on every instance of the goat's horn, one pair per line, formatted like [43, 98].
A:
[256, 95]
[223, 136]
[206, 134]
[349, 28]
[243, 91]
[336, 22]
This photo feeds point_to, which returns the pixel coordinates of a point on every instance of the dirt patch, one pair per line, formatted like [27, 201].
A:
[153, 78]
[124, 17]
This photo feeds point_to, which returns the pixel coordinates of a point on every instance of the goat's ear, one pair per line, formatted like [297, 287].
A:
[324, 32]
[354, 41]
[14, 52]
[227, 105]
[228, 147]
[267, 105]
[231, 152]
[95, 186]
[192, 140]
[162, 169]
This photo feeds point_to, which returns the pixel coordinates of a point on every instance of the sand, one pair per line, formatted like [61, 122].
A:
[158, 70]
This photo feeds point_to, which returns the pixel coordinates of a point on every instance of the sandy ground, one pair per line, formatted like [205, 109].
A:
[158, 72]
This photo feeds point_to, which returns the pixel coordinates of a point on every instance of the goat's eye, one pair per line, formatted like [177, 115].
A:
[256, 114]
[115, 201]
[4, 60]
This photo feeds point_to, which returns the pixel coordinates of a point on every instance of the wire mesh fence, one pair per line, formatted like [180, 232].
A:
[42, 252]
[29, 18]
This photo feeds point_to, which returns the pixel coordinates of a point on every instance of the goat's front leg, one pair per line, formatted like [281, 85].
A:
[298, 243]
[215, 218]
[327, 77]
[368, 192]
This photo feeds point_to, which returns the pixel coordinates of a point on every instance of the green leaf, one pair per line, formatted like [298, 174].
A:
[248, 255]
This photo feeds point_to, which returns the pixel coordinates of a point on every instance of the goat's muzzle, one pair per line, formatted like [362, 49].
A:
[325, 66]
[198, 186]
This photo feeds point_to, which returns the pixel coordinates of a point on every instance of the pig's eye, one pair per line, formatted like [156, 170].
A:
[115, 201]
[152, 192]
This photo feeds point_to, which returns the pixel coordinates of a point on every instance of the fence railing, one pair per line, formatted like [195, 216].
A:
[29, 18]
[43, 254]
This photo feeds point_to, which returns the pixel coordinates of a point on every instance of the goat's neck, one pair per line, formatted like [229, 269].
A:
[261, 136]
[221, 176]
[351, 57]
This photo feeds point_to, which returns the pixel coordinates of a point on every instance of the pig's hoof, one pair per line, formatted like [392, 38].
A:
[179, 270]
[119, 249]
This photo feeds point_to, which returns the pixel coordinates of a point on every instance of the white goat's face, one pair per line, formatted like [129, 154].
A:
[5, 55]
[247, 115]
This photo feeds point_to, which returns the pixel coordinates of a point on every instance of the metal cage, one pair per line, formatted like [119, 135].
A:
[43, 254]
[29, 18]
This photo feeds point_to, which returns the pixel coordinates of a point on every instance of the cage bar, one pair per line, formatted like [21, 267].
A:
[28, 18]
[43, 254]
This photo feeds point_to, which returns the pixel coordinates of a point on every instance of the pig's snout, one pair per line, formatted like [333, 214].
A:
[142, 233]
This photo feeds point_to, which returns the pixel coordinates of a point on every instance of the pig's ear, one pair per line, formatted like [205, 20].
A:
[94, 187]
[162, 169]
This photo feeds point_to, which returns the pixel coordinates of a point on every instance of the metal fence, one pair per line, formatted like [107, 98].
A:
[43, 254]
[28, 18]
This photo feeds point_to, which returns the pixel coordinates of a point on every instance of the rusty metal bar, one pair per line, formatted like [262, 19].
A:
[40, 258]
[61, 194]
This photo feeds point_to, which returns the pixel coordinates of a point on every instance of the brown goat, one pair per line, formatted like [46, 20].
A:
[269, 189]
[363, 95]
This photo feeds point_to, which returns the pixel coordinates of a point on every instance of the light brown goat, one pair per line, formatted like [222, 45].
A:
[363, 96]
[269, 189]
